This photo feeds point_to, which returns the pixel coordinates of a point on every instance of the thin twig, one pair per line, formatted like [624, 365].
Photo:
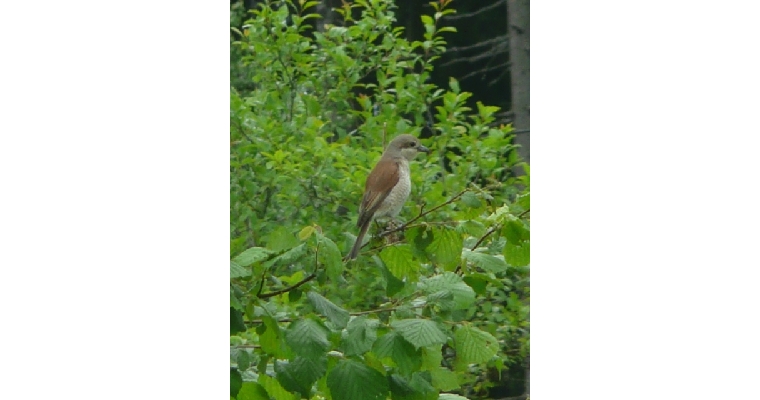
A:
[295, 286]
[287, 289]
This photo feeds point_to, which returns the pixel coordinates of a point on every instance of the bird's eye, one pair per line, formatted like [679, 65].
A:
[412, 144]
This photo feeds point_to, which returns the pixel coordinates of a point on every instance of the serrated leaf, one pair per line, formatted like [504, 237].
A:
[474, 345]
[275, 390]
[359, 336]
[485, 261]
[399, 260]
[444, 379]
[471, 200]
[419, 332]
[416, 388]
[517, 256]
[271, 339]
[432, 357]
[463, 295]
[350, 380]
[446, 248]
[330, 256]
[472, 228]
[403, 353]
[238, 271]
[299, 375]
[307, 338]
[335, 314]
[252, 391]
[251, 256]
[288, 257]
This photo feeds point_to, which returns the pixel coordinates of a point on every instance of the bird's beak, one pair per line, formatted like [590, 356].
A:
[423, 149]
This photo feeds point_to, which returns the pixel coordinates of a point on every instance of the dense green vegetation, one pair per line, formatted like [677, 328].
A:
[438, 308]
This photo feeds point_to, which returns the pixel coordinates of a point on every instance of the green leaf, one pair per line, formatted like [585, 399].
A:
[335, 314]
[420, 237]
[236, 382]
[454, 85]
[272, 340]
[477, 282]
[399, 259]
[432, 357]
[243, 360]
[471, 200]
[236, 321]
[238, 271]
[404, 355]
[517, 256]
[419, 332]
[275, 390]
[426, 19]
[234, 301]
[280, 239]
[472, 228]
[299, 375]
[252, 391]
[463, 295]
[446, 248]
[306, 232]
[474, 345]
[359, 336]
[417, 388]
[250, 256]
[451, 396]
[516, 232]
[288, 257]
[307, 338]
[350, 380]
[393, 285]
[444, 379]
[485, 261]
[330, 256]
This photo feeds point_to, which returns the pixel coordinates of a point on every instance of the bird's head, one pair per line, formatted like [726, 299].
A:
[406, 146]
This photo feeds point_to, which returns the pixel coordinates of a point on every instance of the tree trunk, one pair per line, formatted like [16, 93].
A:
[518, 20]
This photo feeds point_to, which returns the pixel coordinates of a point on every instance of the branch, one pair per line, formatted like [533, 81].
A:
[484, 70]
[289, 288]
[476, 12]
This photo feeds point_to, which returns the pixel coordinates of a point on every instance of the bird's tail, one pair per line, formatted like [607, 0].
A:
[358, 244]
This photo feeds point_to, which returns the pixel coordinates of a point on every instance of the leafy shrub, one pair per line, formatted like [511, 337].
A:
[430, 308]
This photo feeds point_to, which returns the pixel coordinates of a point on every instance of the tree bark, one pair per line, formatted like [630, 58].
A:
[518, 20]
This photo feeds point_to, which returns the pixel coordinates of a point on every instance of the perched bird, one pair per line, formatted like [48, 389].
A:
[388, 185]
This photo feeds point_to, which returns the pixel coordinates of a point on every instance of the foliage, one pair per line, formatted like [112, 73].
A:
[429, 307]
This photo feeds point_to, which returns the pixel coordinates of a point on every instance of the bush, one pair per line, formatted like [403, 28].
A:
[436, 306]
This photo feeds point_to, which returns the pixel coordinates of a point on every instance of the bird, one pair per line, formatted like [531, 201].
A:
[388, 185]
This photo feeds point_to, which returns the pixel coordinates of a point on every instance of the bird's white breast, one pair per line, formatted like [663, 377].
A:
[393, 204]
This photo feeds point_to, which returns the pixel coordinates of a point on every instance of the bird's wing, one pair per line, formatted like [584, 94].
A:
[379, 184]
